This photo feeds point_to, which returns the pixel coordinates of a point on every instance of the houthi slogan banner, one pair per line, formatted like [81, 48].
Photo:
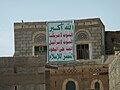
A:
[60, 37]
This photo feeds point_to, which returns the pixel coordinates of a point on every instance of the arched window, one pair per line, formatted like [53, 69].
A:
[70, 85]
[97, 86]
[82, 46]
[39, 39]
[39, 43]
[82, 36]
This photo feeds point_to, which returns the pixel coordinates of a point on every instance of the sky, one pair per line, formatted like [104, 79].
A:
[12, 11]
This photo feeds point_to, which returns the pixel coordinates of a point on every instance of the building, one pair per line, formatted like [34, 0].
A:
[114, 73]
[113, 47]
[112, 40]
[28, 68]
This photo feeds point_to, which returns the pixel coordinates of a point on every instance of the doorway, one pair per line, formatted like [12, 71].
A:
[70, 85]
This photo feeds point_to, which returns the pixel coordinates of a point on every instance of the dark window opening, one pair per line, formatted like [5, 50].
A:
[97, 86]
[15, 87]
[15, 70]
[112, 39]
[83, 51]
[55, 84]
[70, 85]
[39, 50]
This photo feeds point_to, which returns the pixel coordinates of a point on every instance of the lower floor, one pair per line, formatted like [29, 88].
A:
[86, 77]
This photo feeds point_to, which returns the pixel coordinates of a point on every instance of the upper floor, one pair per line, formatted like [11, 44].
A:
[30, 39]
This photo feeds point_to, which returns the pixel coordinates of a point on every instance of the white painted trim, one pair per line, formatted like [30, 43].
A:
[33, 51]
[90, 51]
[75, 52]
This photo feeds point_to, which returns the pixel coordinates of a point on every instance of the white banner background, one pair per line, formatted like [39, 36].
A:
[60, 36]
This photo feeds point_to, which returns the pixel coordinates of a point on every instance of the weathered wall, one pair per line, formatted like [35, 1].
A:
[114, 74]
[22, 73]
[82, 75]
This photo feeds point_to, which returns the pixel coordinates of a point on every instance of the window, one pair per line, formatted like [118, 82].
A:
[83, 51]
[15, 87]
[70, 85]
[39, 50]
[112, 39]
[97, 86]
[40, 38]
[82, 36]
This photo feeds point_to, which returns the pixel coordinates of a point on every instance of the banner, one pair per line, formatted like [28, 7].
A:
[60, 35]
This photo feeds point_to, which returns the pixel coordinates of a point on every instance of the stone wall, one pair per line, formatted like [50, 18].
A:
[82, 75]
[23, 33]
[111, 40]
[114, 74]
[95, 29]
[22, 73]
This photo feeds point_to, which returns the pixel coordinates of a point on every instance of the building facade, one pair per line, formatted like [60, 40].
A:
[30, 37]
[87, 72]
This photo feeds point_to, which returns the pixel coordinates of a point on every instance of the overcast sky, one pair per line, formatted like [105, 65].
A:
[45, 10]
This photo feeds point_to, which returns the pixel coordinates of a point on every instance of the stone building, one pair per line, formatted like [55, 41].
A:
[112, 40]
[28, 68]
[113, 47]
[114, 73]
[29, 36]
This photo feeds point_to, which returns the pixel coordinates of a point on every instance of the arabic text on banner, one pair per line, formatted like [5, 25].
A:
[60, 41]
